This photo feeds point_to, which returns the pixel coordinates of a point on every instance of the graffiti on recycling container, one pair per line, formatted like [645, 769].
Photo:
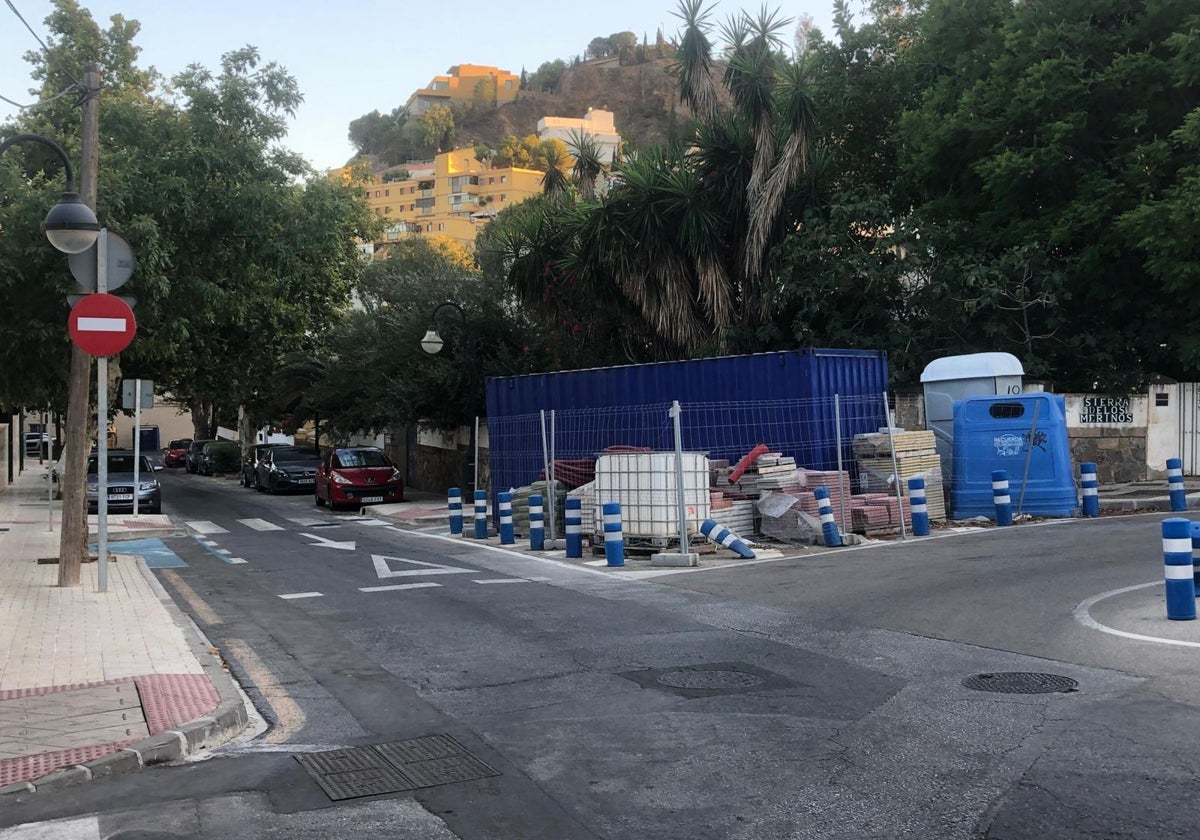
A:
[1010, 444]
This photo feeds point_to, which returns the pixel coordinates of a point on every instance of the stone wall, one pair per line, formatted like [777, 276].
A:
[1118, 453]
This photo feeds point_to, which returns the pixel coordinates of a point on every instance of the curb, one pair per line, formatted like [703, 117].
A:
[222, 724]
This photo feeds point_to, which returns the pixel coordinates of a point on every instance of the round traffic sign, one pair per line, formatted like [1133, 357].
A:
[102, 325]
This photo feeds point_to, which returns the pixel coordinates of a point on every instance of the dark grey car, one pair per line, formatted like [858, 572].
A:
[287, 468]
[120, 483]
[251, 463]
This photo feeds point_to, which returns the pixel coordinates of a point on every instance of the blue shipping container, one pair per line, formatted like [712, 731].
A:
[730, 404]
[1013, 433]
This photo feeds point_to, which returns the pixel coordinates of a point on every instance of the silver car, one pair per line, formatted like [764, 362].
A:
[120, 483]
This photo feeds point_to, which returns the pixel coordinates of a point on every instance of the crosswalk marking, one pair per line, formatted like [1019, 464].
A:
[397, 586]
[502, 580]
[307, 521]
[260, 525]
[294, 595]
[203, 526]
[234, 560]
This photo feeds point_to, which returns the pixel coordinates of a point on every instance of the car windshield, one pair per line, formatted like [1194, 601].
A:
[360, 458]
[179, 444]
[293, 455]
[118, 464]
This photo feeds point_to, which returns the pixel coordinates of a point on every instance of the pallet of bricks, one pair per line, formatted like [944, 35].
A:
[732, 502]
[916, 456]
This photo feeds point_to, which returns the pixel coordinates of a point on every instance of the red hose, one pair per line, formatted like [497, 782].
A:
[746, 461]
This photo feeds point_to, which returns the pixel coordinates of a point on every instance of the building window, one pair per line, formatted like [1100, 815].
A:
[492, 179]
[412, 190]
[503, 179]
[504, 196]
[377, 193]
[441, 226]
[386, 193]
[387, 209]
[508, 84]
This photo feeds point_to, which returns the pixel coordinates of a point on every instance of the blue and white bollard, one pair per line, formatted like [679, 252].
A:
[1196, 556]
[614, 540]
[1175, 484]
[1001, 497]
[724, 537]
[537, 524]
[574, 528]
[1177, 567]
[829, 528]
[919, 507]
[506, 523]
[454, 503]
[481, 506]
[1090, 484]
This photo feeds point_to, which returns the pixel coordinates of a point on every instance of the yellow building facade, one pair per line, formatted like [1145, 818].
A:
[455, 199]
[464, 83]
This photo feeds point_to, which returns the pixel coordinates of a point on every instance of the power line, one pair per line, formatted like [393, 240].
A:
[27, 26]
[54, 98]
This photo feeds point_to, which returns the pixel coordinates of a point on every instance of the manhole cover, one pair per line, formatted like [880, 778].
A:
[710, 680]
[1020, 682]
[391, 768]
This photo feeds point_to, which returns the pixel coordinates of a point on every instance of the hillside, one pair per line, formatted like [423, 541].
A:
[641, 97]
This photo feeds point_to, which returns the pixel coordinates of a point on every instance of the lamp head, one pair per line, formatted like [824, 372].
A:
[71, 225]
[432, 342]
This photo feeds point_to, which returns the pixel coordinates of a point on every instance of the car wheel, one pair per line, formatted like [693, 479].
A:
[320, 502]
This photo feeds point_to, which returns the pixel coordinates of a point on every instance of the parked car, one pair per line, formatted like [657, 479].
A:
[253, 459]
[286, 468]
[191, 461]
[34, 440]
[175, 455]
[220, 456]
[120, 483]
[357, 475]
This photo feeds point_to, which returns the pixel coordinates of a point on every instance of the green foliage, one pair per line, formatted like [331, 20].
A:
[437, 128]
[547, 76]
[601, 47]
[227, 457]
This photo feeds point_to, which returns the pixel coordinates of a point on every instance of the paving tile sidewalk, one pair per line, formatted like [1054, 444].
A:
[93, 682]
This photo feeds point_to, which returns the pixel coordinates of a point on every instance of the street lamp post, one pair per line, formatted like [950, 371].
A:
[72, 228]
[432, 344]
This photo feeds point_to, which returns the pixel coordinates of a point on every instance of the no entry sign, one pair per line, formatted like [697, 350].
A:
[102, 325]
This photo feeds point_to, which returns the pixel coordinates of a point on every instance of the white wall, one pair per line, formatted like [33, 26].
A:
[1162, 436]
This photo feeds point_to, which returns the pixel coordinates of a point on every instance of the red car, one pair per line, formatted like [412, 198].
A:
[356, 476]
[175, 455]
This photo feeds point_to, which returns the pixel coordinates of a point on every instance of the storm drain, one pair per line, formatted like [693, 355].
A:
[1020, 682]
[708, 680]
[392, 768]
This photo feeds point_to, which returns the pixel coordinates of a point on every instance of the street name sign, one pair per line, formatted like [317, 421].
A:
[102, 325]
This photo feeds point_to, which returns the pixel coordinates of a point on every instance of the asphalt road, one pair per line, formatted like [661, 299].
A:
[826, 695]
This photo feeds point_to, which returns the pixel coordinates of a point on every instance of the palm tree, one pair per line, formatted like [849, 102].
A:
[588, 165]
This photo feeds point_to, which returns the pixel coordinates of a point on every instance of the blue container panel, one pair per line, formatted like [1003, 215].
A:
[1004, 433]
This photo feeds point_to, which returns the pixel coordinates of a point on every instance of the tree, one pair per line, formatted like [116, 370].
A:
[547, 76]
[437, 127]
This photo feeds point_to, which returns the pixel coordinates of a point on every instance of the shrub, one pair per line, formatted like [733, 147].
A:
[227, 457]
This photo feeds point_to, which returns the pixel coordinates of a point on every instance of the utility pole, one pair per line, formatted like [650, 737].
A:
[74, 530]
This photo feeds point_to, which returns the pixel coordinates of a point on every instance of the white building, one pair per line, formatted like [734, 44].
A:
[596, 124]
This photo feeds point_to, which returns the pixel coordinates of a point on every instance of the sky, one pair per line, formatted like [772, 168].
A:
[356, 56]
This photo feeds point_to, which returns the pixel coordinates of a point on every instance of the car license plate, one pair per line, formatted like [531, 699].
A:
[305, 481]
[372, 498]
[121, 497]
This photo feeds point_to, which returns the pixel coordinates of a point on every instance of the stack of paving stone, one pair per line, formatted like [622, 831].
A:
[520, 503]
[738, 517]
[916, 456]
[586, 493]
[878, 513]
[771, 471]
[837, 483]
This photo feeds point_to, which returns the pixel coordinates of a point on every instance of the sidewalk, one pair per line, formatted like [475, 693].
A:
[96, 683]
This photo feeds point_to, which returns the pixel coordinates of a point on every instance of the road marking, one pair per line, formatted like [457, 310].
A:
[384, 570]
[209, 543]
[234, 560]
[370, 523]
[1083, 616]
[595, 562]
[465, 543]
[205, 527]
[306, 521]
[202, 610]
[289, 717]
[398, 586]
[261, 525]
[321, 542]
[502, 580]
[294, 595]
[83, 828]
[224, 551]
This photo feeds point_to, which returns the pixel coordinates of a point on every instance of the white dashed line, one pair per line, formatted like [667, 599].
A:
[260, 525]
[294, 595]
[234, 560]
[205, 527]
[398, 586]
[307, 521]
[502, 580]
[224, 551]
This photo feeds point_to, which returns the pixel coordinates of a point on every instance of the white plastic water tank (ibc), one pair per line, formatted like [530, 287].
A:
[644, 483]
[954, 378]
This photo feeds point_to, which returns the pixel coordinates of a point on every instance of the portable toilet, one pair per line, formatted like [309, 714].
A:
[1024, 434]
[953, 378]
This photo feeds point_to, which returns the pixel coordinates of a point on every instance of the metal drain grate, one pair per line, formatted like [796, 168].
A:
[710, 680]
[1020, 682]
[391, 768]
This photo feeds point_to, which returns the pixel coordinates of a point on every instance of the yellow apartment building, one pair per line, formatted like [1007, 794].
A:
[455, 199]
[462, 84]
